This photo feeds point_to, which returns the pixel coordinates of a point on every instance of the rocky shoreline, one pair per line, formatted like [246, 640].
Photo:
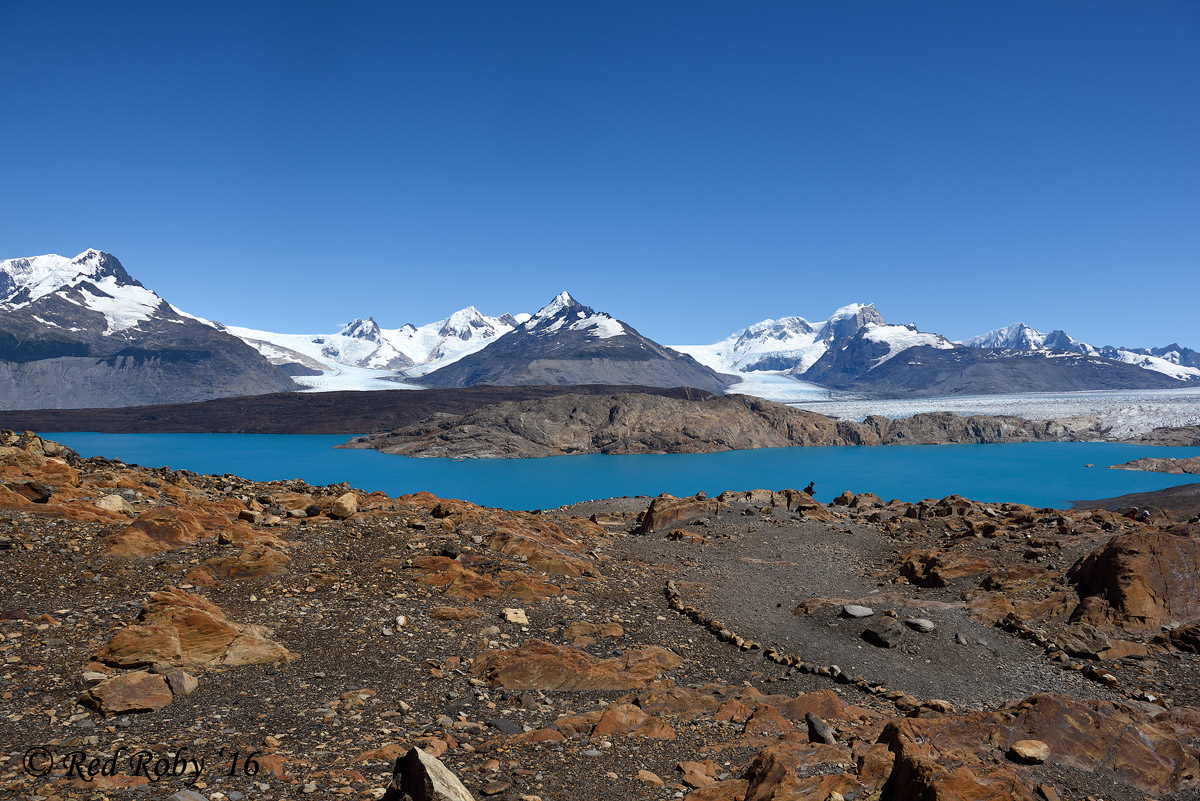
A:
[1163, 465]
[629, 423]
[280, 640]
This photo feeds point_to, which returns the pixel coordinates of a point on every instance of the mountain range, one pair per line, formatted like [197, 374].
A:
[82, 332]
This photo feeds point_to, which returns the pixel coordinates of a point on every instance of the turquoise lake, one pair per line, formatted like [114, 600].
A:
[1040, 474]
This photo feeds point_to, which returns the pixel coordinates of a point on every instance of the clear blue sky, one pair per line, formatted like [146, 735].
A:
[689, 167]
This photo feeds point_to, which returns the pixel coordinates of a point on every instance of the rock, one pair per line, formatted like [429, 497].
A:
[504, 726]
[345, 506]
[885, 633]
[454, 613]
[418, 776]
[131, 692]
[819, 731]
[516, 616]
[1139, 582]
[936, 568]
[856, 611]
[1030, 752]
[537, 665]
[667, 512]
[186, 795]
[156, 531]
[698, 774]
[1082, 640]
[185, 630]
[182, 683]
[649, 778]
[920, 624]
[115, 503]
[1118, 741]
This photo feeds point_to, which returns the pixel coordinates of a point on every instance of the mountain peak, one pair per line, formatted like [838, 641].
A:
[556, 309]
[25, 280]
[361, 329]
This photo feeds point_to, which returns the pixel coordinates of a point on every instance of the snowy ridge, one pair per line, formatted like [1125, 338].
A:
[1019, 336]
[900, 338]
[92, 280]
[364, 344]
[789, 344]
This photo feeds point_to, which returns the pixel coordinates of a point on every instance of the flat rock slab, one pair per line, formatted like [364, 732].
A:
[920, 624]
[132, 692]
[854, 610]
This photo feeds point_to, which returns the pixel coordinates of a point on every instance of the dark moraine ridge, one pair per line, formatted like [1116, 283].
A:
[1173, 503]
[626, 423]
[345, 413]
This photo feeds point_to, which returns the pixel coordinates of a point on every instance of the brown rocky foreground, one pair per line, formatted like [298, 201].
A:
[167, 634]
[627, 423]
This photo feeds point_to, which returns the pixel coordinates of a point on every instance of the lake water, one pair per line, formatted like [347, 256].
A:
[1040, 474]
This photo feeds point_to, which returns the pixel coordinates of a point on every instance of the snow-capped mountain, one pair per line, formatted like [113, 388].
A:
[1182, 364]
[93, 281]
[408, 350]
[793, 345]
[856, 350]
[80, 332]
[566, 342]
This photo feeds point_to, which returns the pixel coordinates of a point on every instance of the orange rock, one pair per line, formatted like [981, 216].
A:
[539, 736]
[156, 531]
[666, 511]
[1140, 581]
[528, 588]
[131, 692]
[698, 774]
[649, 778]
[537, 665]
[181, 629]
[728, 790]
[934, 755]
[254, 561]
[767, 720]
[454, 613]
[935, 568]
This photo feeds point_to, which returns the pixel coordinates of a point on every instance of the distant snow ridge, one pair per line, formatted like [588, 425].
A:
[92, 280]
[409, 350]
[1174, 361]
[789, 344]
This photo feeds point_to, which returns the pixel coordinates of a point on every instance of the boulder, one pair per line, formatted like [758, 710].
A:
[180, 629]
[115, 503]
[418, 776]
[885, 633]
[345, 506]
[1029, 752]
[936, 568]
[666, 512]
[131, 692]
[157, 531]
[1139, 582]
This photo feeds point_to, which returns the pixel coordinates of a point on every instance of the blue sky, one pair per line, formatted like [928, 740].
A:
[689, 167]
